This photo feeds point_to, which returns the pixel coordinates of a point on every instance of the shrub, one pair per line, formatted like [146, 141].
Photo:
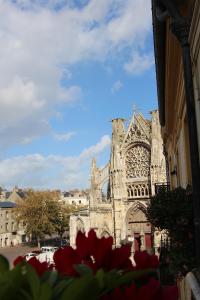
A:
[173, 211]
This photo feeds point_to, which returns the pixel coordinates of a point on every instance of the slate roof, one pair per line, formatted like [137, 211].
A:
[7, 204]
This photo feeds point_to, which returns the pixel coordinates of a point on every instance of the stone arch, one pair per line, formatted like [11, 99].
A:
[105, 190]
[138, 229]
[105, 234]
[80, 225]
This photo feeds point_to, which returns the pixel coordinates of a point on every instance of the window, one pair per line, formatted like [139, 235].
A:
[6, 226]
[138, 162]
[79, 201]
[12, 226]
[6, 214]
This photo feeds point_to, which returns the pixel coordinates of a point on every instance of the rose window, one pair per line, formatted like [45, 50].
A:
[137, 162]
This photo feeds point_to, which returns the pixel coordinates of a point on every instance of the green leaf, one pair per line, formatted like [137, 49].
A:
[83, 269]
[85, 287]
[33, 281]
[50, 277]
[100, 276]
[4, 264]
[60, 287]
[131, 276]
[45, 292]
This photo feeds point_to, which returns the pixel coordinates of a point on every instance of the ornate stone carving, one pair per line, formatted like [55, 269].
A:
[135, 134]
[137, 162]
[139, 190]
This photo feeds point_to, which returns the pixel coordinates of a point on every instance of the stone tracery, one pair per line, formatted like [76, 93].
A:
[137, 162]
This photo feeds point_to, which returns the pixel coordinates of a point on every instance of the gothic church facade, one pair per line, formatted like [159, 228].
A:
[137, 164]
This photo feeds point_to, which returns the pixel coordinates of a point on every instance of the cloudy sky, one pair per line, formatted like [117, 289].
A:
[67, 68]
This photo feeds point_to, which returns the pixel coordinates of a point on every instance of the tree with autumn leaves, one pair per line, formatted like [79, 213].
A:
[42, 213]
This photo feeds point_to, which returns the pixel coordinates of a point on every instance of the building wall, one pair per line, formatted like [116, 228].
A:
[10, 231]
[195, 53]
[78, 222]
[175, 131]
[82, 201]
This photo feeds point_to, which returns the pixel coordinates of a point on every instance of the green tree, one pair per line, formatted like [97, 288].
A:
[37, 211]
[61, 219]
[172, 211]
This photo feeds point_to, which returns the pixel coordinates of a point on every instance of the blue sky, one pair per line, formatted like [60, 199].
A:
[68, 68]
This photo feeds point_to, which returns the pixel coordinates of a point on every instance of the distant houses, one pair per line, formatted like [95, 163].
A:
[75, 197]
[15, 195]
[13, 232]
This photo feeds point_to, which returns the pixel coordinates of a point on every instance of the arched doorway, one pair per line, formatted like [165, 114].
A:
[80, 226]
[138, 230]
[105, 234]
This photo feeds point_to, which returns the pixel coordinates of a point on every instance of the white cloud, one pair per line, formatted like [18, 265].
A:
[139, 63]
[99, 147]
[53, 171]
[64, 137]
[39, 45]
[25, 110]
[116, 86]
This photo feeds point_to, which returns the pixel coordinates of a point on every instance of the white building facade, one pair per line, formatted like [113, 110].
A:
[11, 232]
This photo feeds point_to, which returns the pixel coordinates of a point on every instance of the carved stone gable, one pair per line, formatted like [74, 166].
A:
[138, 131]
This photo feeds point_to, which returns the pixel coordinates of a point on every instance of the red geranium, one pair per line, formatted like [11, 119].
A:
[40, 267]
[93, 252]
[18, 260]
[145, 261]
[150, 291]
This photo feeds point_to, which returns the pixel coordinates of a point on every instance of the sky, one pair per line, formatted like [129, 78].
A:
[68, 67]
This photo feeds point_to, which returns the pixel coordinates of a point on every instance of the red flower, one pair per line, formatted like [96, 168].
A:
[150, 291]
[169, 292]
[93, 252]
[35, 263]
[18, 260]
[145, 261]
[65, 259]
[40, 267]
[120, 258]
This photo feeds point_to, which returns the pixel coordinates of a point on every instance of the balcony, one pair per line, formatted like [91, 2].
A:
[162, 187]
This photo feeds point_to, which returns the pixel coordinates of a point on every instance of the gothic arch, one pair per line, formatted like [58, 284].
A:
[80, 225]
[136, 220]
[105, 234]
[105, 190]
[138, 229]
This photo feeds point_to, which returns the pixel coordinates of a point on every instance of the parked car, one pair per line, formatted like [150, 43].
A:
[46, 256]
[30, 255]
[46, 249]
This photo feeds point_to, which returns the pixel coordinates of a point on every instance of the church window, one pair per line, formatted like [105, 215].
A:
[138, 162]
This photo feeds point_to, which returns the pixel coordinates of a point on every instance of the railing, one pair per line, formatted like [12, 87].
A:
[165, 276]
[159, 187]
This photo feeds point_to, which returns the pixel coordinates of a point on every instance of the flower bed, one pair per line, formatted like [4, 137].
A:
[91, 271]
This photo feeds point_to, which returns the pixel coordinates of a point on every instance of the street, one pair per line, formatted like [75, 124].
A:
[12, 252]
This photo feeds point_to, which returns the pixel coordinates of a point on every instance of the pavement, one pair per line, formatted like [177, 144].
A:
[13, 252]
